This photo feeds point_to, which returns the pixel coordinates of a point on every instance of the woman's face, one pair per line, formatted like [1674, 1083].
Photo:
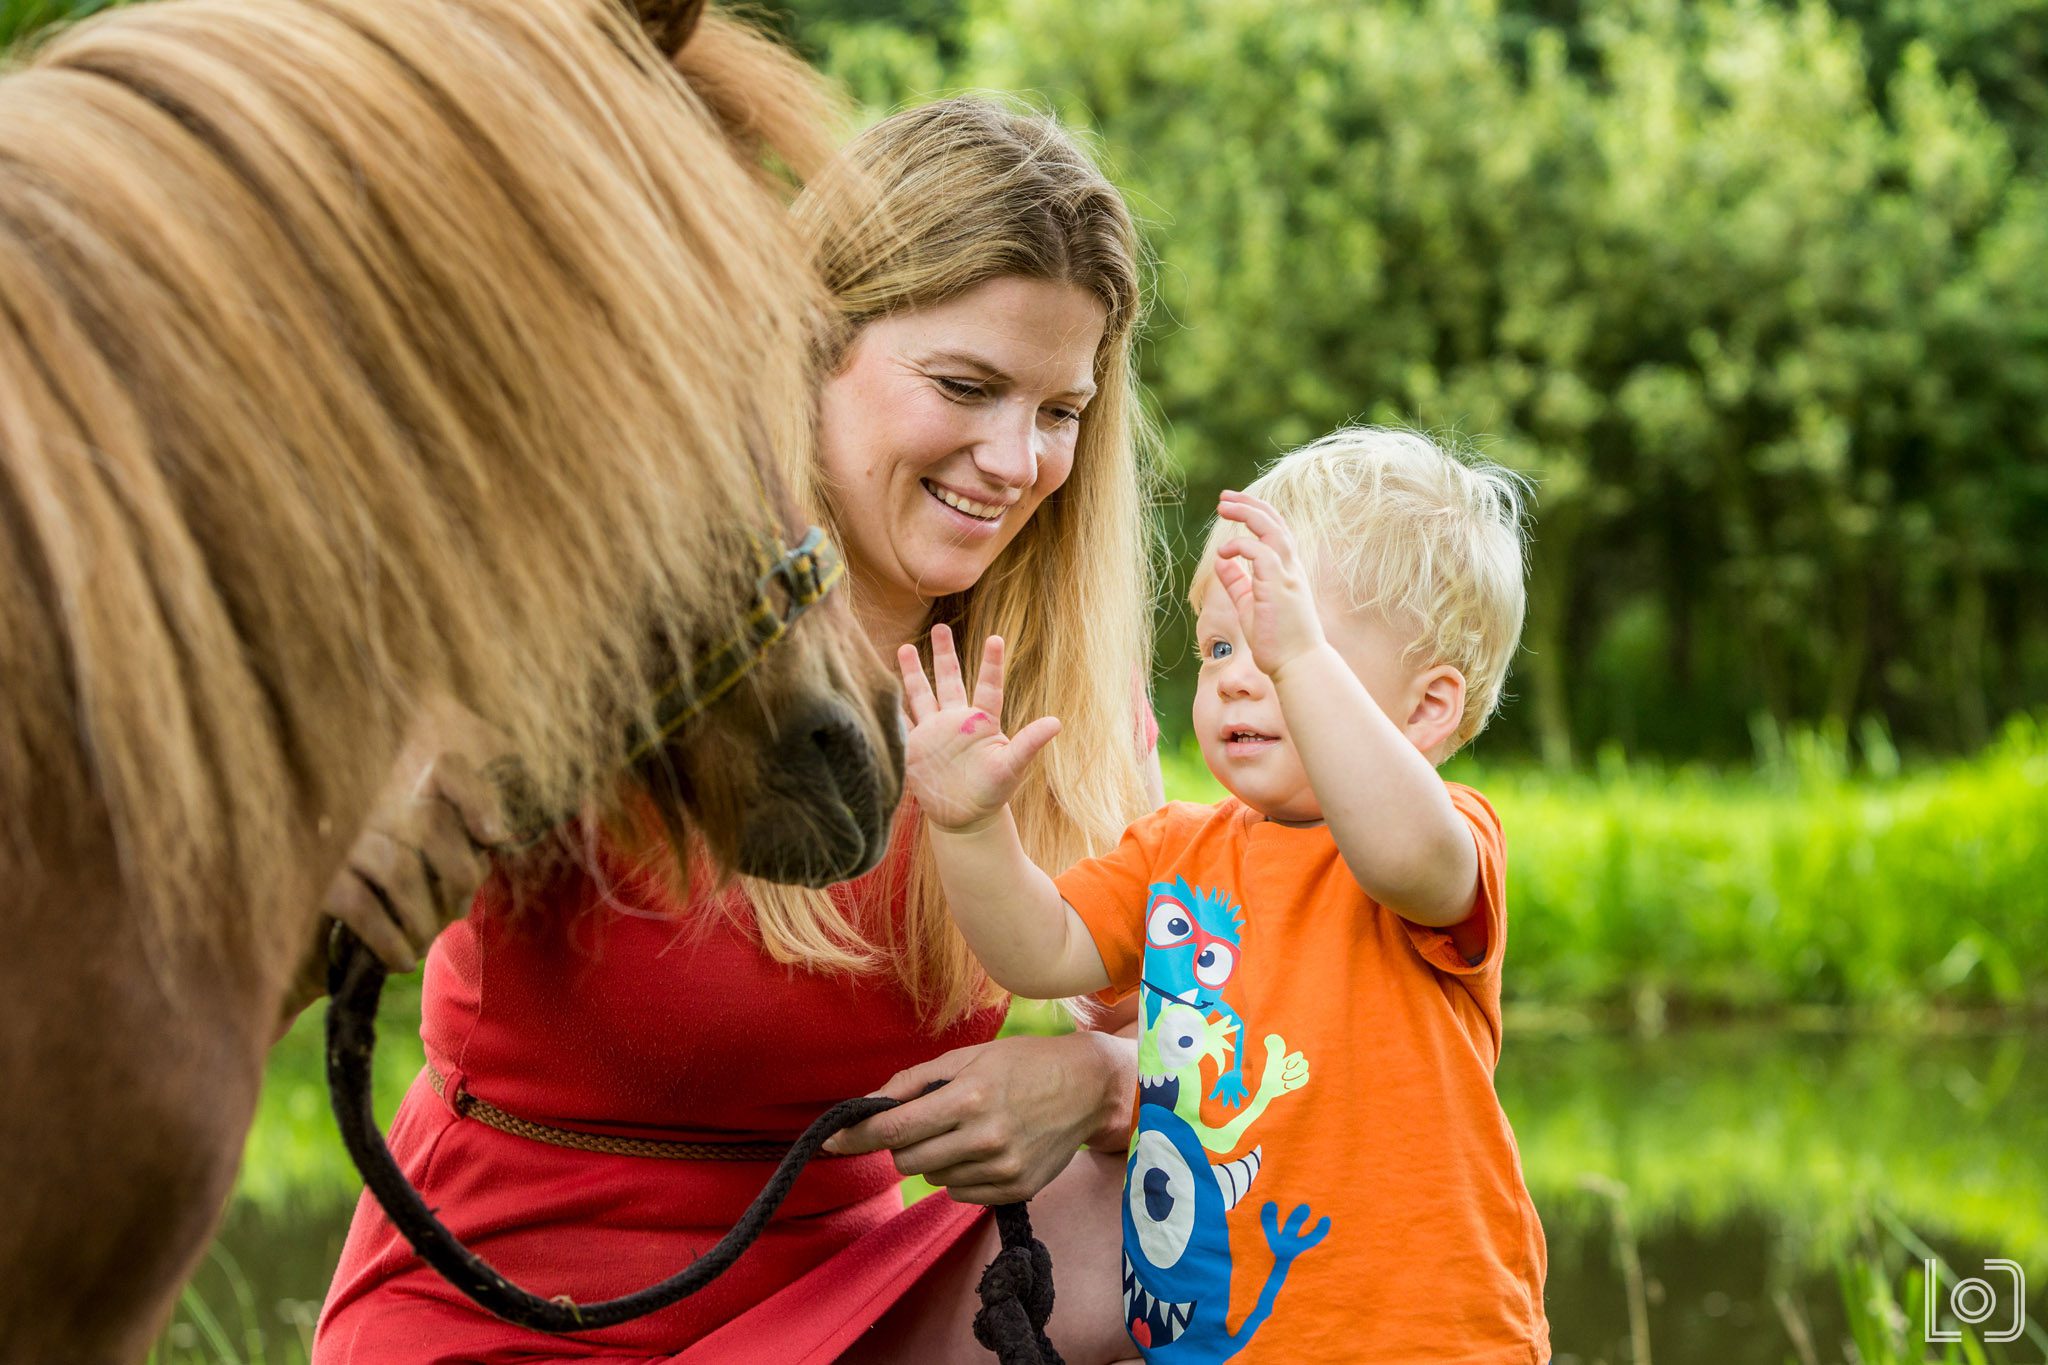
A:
[944, 430]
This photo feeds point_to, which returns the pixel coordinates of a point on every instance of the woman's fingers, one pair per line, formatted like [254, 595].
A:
[911, 1122]
[961, 1161]
[397, 870]
[364, 908]
[919, 1116]
[475, 801]
[456, 862]
[418, 863]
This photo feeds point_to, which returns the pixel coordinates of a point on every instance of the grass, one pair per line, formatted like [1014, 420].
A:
[1640, 890]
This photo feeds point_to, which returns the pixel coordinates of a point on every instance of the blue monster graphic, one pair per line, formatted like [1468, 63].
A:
[1192, 943]
[1177, 1245]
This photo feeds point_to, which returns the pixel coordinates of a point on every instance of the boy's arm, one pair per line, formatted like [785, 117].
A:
[1387, 808]
[1394, 824]
[961, 767]
[1028, 938]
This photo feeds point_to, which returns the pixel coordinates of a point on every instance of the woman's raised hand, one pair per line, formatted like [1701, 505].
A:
[958, 763]
[424, 849]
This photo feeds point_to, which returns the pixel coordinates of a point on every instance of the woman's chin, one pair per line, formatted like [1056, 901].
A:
[944, 573]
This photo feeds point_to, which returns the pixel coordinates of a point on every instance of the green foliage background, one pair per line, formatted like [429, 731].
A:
[1753, 290]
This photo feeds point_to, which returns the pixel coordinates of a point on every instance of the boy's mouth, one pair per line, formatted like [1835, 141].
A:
[1247, 743]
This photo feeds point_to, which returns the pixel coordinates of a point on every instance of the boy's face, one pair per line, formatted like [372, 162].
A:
[1237, 712]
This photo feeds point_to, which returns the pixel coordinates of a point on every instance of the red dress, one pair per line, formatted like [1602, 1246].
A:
[613, 1011]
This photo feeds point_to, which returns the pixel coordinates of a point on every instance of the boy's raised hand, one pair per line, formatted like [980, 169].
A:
[959, 764]
[1276, 603]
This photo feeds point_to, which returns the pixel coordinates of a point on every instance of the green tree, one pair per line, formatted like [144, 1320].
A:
[1768, 342]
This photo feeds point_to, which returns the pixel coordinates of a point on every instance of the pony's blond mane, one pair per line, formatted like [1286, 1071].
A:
[357, 350]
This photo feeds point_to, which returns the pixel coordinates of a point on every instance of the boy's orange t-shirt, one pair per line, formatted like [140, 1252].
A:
[1361, 1048]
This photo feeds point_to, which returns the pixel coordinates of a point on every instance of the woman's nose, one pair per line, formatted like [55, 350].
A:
[1008, 451]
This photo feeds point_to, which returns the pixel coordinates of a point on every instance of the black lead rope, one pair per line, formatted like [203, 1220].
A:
[1016, 1289]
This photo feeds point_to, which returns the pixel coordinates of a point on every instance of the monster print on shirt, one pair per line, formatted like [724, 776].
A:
[1177, 1244]
[1177, 1202]
[1193, 939]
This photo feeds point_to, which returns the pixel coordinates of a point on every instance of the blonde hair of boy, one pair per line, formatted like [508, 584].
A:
[1430, 539]
[920, 208]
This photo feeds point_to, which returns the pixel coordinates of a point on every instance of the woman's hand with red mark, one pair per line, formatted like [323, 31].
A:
[958, 763]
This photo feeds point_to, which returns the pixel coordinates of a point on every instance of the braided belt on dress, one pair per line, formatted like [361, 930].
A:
[491, 1116]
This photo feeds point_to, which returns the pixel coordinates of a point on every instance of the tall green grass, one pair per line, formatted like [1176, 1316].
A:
[1804, 882]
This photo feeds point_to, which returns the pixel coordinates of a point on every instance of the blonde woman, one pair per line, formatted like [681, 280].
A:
[977, 462]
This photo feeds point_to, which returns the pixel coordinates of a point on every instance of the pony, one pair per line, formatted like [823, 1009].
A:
[356, 354]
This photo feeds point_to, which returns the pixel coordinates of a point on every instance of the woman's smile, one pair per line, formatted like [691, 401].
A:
[977, 517]
[944, 430]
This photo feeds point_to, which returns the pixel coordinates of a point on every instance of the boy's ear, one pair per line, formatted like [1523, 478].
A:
[1438, 710]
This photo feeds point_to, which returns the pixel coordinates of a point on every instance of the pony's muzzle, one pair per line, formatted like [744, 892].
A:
[825, 817]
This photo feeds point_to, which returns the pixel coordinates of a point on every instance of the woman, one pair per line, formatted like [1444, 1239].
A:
[977, 464]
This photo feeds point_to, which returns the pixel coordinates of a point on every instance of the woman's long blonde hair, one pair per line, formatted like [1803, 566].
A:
[920, 208]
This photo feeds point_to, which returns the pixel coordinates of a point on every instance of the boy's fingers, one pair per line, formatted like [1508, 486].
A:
[946, 669]
[988, 686]
[917, 689]
[1257, 515]
[1261, 559]
[1237, 585]
[1024, 746]
[1261, 521]
[1252, 502]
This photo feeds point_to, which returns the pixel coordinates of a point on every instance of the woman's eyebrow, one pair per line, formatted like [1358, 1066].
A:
[994, 374]
[968, 360]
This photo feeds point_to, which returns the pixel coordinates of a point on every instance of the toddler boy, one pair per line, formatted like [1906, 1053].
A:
[1320, 1170]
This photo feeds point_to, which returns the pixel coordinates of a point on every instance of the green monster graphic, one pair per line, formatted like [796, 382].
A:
[1171, 1051]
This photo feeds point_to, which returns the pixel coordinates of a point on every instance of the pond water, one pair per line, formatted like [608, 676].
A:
[1702, 1186]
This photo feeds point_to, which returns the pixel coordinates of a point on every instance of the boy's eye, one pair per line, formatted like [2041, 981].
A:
[1217, 649]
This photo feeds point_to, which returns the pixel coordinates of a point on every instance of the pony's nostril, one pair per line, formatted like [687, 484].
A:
[841, 750]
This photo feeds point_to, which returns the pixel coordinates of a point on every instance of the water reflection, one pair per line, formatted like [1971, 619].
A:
[1733, 1166]
[1742, 1163]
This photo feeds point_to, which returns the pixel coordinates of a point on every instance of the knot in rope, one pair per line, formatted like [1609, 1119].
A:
[1016, 1294]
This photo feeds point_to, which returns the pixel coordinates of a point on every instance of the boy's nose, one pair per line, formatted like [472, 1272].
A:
[1241, 677]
